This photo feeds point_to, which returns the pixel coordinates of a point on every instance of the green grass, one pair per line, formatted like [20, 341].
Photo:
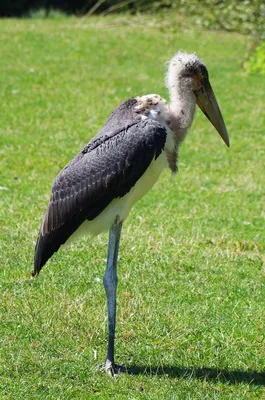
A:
[191, 271]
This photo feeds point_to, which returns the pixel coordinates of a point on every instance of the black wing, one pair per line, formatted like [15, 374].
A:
[107, 168]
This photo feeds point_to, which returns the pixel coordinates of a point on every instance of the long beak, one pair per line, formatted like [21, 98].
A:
[208, 104]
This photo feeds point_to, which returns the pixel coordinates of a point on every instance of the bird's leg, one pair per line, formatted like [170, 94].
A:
[110, 281]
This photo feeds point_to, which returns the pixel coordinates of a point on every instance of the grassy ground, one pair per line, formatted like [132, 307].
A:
[191, 291]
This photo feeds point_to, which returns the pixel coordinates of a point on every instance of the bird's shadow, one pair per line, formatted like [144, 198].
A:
[204, 373]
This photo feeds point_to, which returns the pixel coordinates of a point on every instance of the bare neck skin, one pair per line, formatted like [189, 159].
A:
[182, 101]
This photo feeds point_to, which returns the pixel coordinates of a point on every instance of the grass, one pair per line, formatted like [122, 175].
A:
[191, 290]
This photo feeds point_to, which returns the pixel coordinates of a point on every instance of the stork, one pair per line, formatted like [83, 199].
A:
[97, 189]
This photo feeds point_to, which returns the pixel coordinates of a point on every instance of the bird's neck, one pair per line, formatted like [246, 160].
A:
[182, 98]
[182, 105]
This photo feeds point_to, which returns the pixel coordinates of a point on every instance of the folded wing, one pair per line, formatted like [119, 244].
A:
[107, 168]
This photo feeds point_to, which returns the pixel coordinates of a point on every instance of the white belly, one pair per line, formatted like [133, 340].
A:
[121, 206]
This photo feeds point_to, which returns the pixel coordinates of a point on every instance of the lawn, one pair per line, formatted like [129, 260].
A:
[191, 298]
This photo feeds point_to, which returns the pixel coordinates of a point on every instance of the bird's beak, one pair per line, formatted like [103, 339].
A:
[207, 102]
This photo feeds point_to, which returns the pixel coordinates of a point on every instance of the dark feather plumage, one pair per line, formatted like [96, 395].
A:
[107, 168]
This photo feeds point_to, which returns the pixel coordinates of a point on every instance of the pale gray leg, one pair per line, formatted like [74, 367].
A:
[110, 281]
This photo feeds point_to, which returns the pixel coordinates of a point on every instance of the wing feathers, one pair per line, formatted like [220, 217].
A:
[93, 179]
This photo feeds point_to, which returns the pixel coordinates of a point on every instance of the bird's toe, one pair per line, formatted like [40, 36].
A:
[112, 369]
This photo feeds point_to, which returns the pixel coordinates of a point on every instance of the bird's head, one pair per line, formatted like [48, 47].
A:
[187, 71]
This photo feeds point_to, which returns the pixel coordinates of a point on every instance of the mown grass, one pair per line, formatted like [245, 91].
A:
[191, 289]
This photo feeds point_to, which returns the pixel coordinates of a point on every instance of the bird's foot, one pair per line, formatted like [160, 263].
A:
[111, 368]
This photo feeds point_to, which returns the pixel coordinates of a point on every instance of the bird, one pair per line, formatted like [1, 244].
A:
[96, 190]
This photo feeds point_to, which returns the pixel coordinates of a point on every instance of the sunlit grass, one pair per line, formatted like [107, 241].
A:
[191, 288]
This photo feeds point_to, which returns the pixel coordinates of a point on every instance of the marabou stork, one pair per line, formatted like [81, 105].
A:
[97, 189]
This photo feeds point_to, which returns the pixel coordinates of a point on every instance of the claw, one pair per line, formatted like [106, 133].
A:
[112, 369]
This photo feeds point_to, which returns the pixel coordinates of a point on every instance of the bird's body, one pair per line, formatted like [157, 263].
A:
[151, 107]
[143, 142]
[97, 189]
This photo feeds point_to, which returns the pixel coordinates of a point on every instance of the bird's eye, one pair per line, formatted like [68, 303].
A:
[187, 74]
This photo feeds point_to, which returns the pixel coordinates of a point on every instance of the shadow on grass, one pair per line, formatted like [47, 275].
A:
[230, 377]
